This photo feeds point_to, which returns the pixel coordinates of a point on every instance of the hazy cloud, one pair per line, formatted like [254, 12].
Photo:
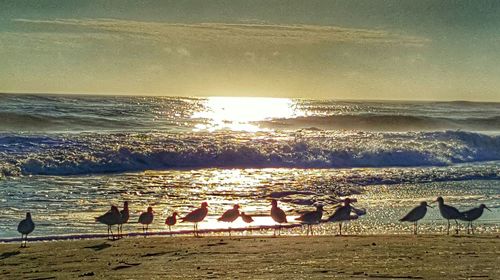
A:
[234, 34]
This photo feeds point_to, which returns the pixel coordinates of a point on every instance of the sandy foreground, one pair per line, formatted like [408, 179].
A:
[245, 257]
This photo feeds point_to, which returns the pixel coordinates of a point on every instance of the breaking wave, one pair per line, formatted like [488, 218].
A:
[67, 154]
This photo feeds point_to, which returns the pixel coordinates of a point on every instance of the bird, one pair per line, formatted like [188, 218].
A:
[311, 218]
[472, 215]
[230, 216]
[146, 218]
[110, 218]
[416, 214]
[196, 216]
[343, 213]
[278, 215]
[246, 218]
[170, 221]
[449, 213]
[124, 216]
[25, 227]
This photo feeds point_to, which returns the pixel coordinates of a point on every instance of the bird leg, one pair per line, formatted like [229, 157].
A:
[340, 228]
[112, 235]
[457, 228]
[472, 227]
[448, 233]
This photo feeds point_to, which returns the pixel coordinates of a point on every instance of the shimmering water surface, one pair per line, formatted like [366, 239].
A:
[68, 158]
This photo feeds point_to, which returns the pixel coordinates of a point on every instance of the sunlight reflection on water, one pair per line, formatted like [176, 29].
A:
[66, 205]
[241, 113]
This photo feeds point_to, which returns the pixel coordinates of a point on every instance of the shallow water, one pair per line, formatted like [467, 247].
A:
[67, 204]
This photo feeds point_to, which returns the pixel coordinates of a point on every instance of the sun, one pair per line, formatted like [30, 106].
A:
[243, 113]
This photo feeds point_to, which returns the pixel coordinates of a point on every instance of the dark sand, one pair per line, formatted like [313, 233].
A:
[244, 257]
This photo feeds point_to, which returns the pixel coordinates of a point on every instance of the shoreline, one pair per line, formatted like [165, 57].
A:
[257, 257]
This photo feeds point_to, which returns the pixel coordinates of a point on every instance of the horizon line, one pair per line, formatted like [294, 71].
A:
[246, 96]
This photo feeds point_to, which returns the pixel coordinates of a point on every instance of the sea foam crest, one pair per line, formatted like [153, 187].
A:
[103, 153]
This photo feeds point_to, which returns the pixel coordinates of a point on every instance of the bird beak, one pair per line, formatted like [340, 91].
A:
[429, 206]
[433, 201]
[487, 208]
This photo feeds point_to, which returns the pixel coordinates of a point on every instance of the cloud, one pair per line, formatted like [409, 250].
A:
[232, 34]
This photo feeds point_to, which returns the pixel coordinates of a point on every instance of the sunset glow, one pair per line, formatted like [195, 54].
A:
[240, 113]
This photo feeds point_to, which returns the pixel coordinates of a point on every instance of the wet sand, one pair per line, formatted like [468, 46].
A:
[246, 257]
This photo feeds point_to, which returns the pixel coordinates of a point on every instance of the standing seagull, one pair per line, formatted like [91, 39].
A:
[472, 215]
[110, 218]
[449, 213]
[124, 216]
[170, 221]
[278, 215]
[25, 227]
[343, 213]
[230, 216]
[196, 216]
[311, 218]
[416, 214]
[146, 218]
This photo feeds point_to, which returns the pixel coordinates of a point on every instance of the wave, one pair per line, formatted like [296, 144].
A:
[12, 121]
[123, 152]
[386, 123]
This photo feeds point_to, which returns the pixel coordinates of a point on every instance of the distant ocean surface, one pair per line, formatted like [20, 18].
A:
[66, 158]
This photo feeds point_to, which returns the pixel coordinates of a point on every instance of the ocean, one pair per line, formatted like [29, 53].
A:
[67, 158]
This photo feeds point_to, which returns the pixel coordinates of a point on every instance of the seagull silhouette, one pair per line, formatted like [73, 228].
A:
[449, 213]
[170, 221]
[230, 216]
[146, 218]
[311, 218]
[416, 214]
[110, 218]
[25, 227]
[196, 216]
[472, 215]
[278, 215]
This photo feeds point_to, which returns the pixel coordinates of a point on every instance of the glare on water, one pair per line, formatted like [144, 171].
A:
[241, 113]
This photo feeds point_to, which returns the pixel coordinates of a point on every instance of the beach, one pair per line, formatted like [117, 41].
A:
[257, 257]
[66, 159]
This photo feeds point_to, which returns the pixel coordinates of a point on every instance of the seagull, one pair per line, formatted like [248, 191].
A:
[171, 220]
[110, 218]
[449, 213]
[124, 216]
[311, 218]
[416, 214]
[472, 215]
[196, 216]
[146, 218]
[25, 227]
[343, 213]
[246, 218]
[230, 216]
[278, 215]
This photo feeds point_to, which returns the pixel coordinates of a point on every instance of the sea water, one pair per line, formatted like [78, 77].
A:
[67, 158]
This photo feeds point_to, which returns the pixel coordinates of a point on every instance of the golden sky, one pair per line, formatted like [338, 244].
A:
[413, 50]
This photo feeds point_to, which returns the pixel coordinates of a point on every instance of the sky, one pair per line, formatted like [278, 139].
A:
[352, 49]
